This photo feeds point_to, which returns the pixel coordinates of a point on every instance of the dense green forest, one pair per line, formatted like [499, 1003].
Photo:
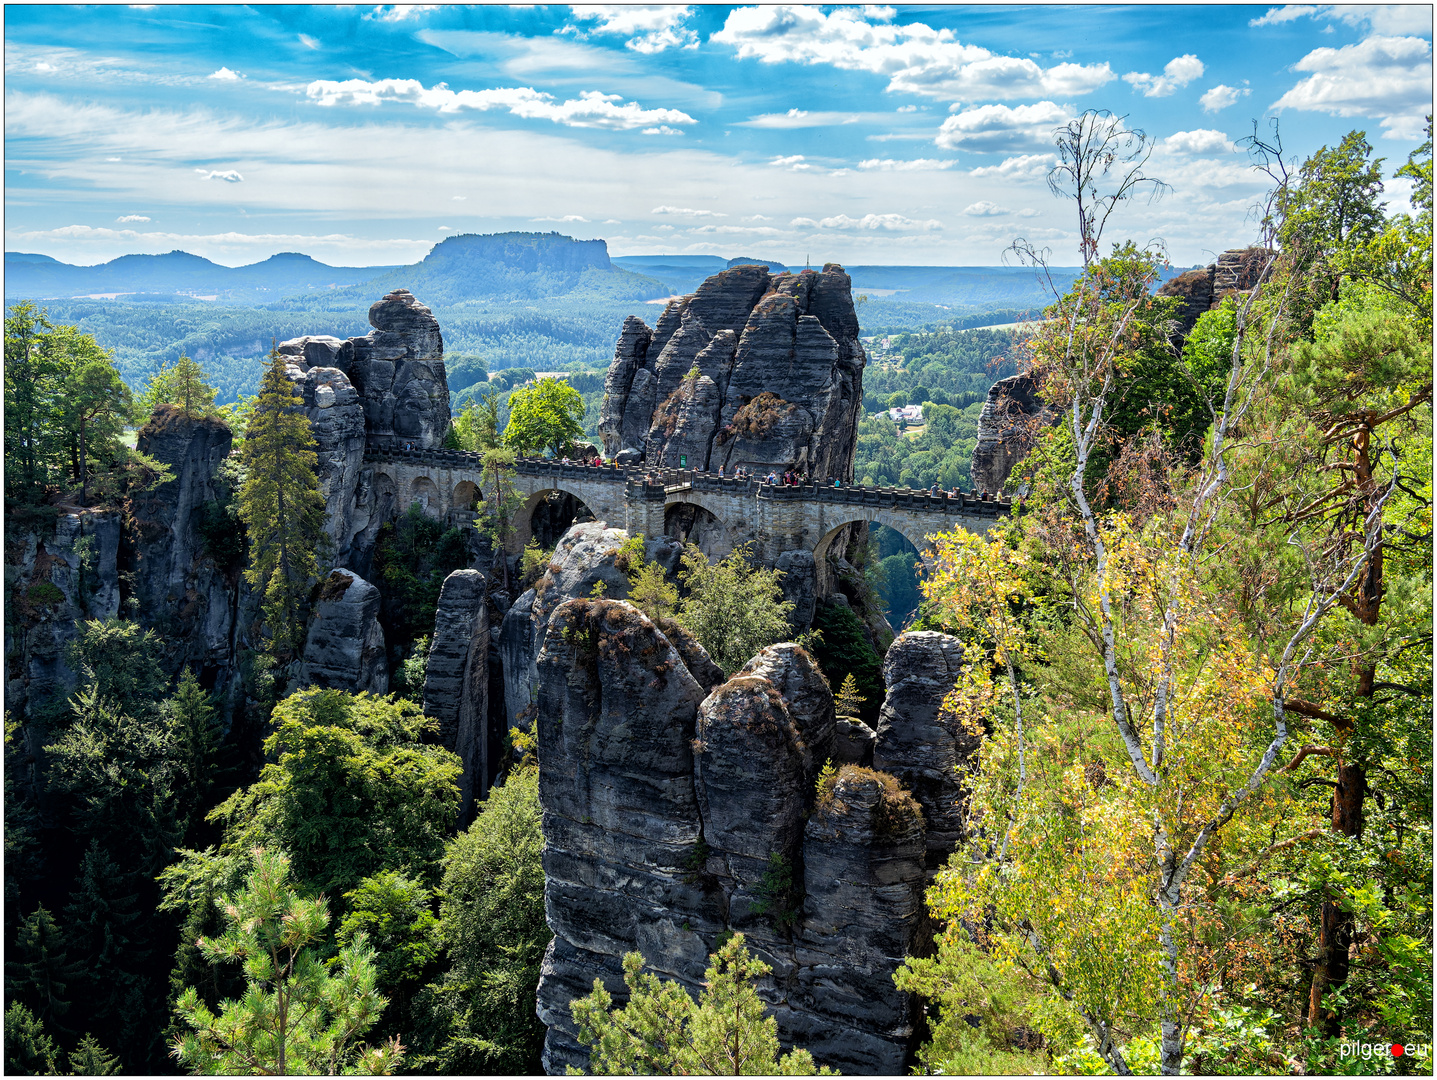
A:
[1197, 677]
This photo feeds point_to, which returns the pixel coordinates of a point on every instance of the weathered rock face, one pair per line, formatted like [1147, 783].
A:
[853, 741]
[1012, 419]
[667, 808]
[779, 384]
[1236, 270]
[182, 593]
[583, 557]
[388, 387]
[863, 880]
[456, 681]
[920, 743]
[54, 579]
[800, 587]
[344, 647]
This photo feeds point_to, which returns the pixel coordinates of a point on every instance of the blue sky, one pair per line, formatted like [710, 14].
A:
[912, 135]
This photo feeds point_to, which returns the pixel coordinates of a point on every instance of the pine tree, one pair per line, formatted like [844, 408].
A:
[849, 700]
[662, 1031]
[281, 505]
[28, 1050]
[102, 932]
[92, 1059]
[38, 971]
[194, 728]
[298, 1014]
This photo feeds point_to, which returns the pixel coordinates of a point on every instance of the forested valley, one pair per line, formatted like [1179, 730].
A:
[1195, 689]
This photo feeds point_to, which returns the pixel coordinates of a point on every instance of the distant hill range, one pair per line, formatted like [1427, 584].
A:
[504, 266]
[178, 275]
[482, 269]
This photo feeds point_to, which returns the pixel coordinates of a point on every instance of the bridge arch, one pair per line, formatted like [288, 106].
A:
[915, 532]
[691, 517]
[524, 518]
[466, 495]
[425, 492]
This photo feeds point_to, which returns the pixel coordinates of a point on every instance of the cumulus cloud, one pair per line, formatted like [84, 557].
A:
[224, 74]
[1179, 72]
[590, 109]
[653, 28]
[1221, 96]
[869, 223]
[1002, 128]
[1199, 141]
[684, 211]
[1389, 78]
[916, 58]
[1022, 167]
[1399, 19]
[793, 161]
[229, 175]
[662, 129]
[131, 218]
[984, 208]
[916, 165]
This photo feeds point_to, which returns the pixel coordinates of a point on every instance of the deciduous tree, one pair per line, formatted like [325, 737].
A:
[548, 414]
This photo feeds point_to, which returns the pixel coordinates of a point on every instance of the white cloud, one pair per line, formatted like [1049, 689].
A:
[458, 198]
[1221, 96]
[43, 66]
[1397, 19]
[224, 74]
[907, 108]
[400, 12]
[654, 28]
[1179, 72]
[874, 223]
[305, 39]
[758, 217]
[444, 228]
[1389, 78]
[984, 208]
[793, 161]
[662, 129]
[131, 218]
[1000, 128]
[229, 175]
[590, 109]
[916, 58]
[112, 159]
[567, 219]
[1023, 167]
[916, 165]
[1199, 141]
[684, 211]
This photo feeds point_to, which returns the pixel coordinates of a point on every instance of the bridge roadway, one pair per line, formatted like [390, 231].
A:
[774, 519]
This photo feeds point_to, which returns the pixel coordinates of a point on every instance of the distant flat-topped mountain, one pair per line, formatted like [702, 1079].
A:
[505, 266]
[179, 272]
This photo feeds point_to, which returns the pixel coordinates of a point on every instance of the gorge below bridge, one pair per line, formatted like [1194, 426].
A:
[774, 519]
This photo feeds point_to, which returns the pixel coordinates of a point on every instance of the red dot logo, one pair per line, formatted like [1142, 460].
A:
[1397, 1050]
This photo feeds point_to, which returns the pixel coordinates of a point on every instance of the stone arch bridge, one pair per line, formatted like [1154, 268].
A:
[773, 519]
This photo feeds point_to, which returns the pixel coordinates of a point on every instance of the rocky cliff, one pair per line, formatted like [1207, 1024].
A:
[456, 682]
[1236, 270]
[674, 813]
[755, 368]
[1013, 417]
[183, 591]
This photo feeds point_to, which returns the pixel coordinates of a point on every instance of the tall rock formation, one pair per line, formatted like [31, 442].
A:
[1236, 270]
[676, 812]
[388, 387]
[182, 592]
[920, 743]
[1012, 420]
[344, 647]
[456, 681]
[584, 556]
[755, 368]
